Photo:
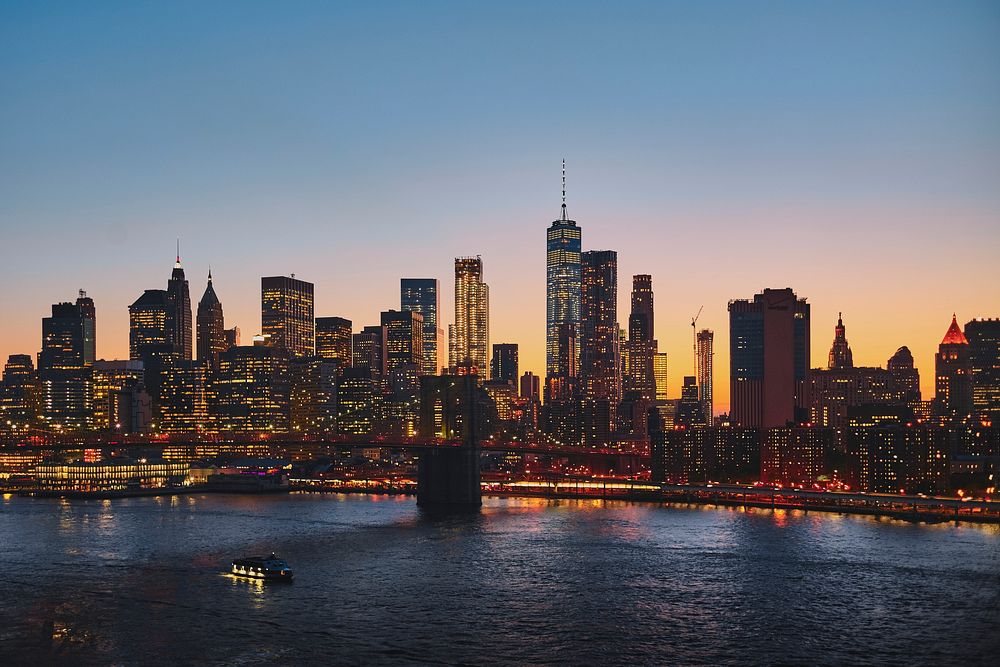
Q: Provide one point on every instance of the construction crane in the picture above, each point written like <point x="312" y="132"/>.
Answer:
<point x="694" y="342"/>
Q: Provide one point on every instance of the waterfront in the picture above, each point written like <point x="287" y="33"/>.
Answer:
<point x="141" y="581"/>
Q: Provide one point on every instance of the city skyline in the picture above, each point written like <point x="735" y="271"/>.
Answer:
<point x="841" y="155"/>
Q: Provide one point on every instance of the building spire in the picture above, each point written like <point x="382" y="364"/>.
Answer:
<point x="177" y="264"/>
<point x="564" y="189"/>
<point x="209" y="273"/>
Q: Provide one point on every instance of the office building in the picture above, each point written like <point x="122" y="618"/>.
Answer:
<point x="421" y="295"/>
<point x="64" y="364"/>
<point x="504" y="365"/>
<point x="20" y="394"/>
<point x="769" y="359"/>
<point x="179" y="311"/>
<point x="370" y="352"/>
<point x="471" y="338"/>
<point x="600" y="370"/>
<point x="287" y="314"/>
<point x="211" y="327"/>
<point x="404" y="338"/>
<point x="358" y="396"/>
<point x="333" y="340"/>
<point x="184" y="398"/>
<point x="639" y="379"/>
<point x="530" y="386"/>
<point x="660" y="375"/>
<point x="119" y="399"/>
<point x="562" y="291"/>
<point x="953" y="374"/>
<point x="313" y="394"/>
<point x="252" y="390"/>
<point x="984" y="357"/>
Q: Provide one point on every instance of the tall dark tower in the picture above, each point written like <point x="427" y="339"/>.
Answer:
<point x="640" y="380"/>
<point x="953" y="374"/>
<point x="840" y="352"/>
<point x="179" y="312"/>
<point x="64" y="364"/>
<point x="600" y="363"/>
<point x="769" y="359"/>
<point x="211" y="327"/>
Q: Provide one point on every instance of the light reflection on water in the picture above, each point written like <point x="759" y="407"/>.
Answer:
<point x="378" y="581"/>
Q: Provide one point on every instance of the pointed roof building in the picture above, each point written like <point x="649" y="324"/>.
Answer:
<point x="954" y="336"/>
<point x="211" y="326"/>
<point x="840" y="352"/>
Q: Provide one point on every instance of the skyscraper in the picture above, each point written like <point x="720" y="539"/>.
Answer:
<point x="421" y="295"/>
<point x="370" y="352"/>
<point x="211" y="327"/>
<point x="600" y="371"/>
<point x="20" y="394"/>
<point x="660" y="374"/>
<point x="639" y="376"/>
<point x="287" y="314"/>
<point x="703" y="354"/>
<point x="64" y="363"/>
<point x="179" y="311"/>
<point x="905" y="377"/>
<point x="252" y="390"/>
<point x="769" y="359"/>
<point x="562" y="287"/>
<point x="953" y="374"/>
<point x="404" y="338"/>
<point x="148" y="323"/>
<point x="984" y="355"/>
<point x="472" y="316"/>
<point x="504" y="365"/>
<point x="333" y="339"/>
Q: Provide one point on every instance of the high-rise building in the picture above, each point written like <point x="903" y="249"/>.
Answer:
<point x="840" y="351"/>
<point x="530" y="386"/>
<point x="639" y="380"/>
<point x="20" y="394"/>
<point x="184" y="398"/>
<point x="211" y="327"/>
<point x="404" y="338"/>
<point x="287" y="314"/>
<point x="472" y="316"/>
<point x="252" y="390"/>
<point x="984" y="355"/>
<point x="769" y="359"/>
<point x="600" y="371"/>
<point x="313" y="397"/>
<point x="562" y="290"/>
<point x="421" y="295"/>
<point x="333" y="339"/>
<point x="904" y="375"/>
<point x="118" y="397"/>
<point x="148" y="323"/>
<point x="690" y="409"/>
<point x="504" y="364"/>
<point x="370" y="352"/>
<point x="703" y="354"/>
<point x="64" y="364"/>
<point x="953" y="374"/>
<point x="357" y="398"/>
<point x="232" y="337"/>
<point x="660" y="375"/>
<point x="179" y="311"/>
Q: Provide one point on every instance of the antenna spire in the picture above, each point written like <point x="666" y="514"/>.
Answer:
<point x="178" y="263"/>
<point x="564" y="189"/>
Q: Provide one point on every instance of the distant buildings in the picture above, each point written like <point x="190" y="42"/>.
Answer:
<point x="179" y="311"/>
<point x="287" y="314"/>
<point x="769" y="359"/>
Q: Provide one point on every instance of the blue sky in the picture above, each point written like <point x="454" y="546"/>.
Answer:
<point x="720" y="146"/>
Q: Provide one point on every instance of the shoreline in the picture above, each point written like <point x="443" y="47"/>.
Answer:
<point x="685" y="498"/>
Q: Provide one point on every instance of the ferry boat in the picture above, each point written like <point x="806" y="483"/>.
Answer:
<point x="270" y="568"/>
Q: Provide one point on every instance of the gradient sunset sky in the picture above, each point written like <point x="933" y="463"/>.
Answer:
<point x="849" y="150"/>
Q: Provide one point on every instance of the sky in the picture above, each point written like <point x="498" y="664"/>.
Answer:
<point x="849" y="150"/>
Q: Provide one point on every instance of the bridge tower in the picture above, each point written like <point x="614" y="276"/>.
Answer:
<point x="448" y="476"/>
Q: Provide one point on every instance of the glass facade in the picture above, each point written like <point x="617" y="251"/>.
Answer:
<point x="562" y="289"/>
<point x="421" y="295"/>
<point x="287" y="314"/>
